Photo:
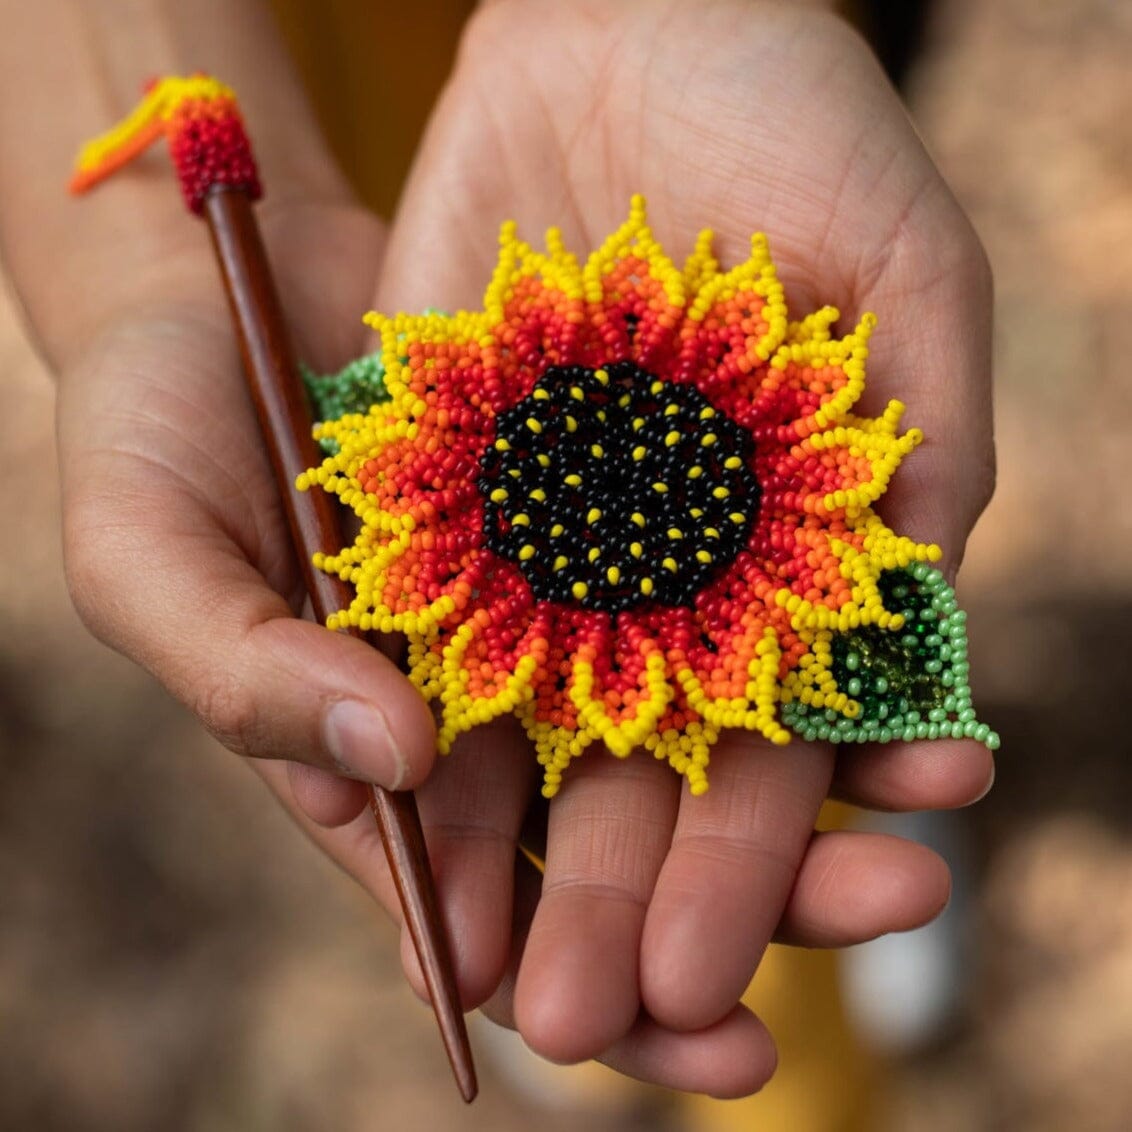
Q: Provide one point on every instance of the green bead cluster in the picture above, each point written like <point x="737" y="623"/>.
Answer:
<point x="352" y="390"/>
<point x="911" y="683"/>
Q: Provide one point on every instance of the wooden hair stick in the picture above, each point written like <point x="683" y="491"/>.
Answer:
<point x="213" y="158"/>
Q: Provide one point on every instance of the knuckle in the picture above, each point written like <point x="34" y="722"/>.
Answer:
<point x="972" y="260"/>
<point x="92" y="578"/>
<point x="229" y="712"/>
<point x="482" y="30"/>
<point x="985" y="480"/>
<point x="841" y="36"/>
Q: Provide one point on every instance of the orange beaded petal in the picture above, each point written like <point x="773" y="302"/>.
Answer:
<point x="630" y="502"/>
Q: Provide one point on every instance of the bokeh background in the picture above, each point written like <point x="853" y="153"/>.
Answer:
<point x="174" y="955"/>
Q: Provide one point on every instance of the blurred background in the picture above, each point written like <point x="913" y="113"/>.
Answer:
<point x="174" y="955"/>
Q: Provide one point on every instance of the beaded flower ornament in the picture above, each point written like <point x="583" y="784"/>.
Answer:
<point x="631" y="503"/>
<point x="626" y="501"/>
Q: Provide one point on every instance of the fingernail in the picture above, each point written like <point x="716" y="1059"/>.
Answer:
<point x="358" y="738"/>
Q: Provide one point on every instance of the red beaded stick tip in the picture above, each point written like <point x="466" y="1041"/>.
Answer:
<point x="214" y="164"/>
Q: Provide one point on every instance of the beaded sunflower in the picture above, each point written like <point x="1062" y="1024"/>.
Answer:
<point x="631" y="504"/>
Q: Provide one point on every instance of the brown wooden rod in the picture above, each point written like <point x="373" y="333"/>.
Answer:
<point x="284" y="417"/>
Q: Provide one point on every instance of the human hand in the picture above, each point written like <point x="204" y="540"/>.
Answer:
<point x="177" y="555"/>
<point x="655" y="906"/>
<point x="175" y="548"/>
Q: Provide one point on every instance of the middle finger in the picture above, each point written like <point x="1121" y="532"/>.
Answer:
<point x="734" y="857"/>
<point x="609" y="830"/>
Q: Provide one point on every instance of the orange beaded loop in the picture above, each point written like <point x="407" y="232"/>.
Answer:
<point x="630" y="502"/>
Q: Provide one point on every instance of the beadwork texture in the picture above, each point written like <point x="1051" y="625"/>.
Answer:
<point x="352" y="389"/>
<point x="199" y="117"/>
<point x="630" y="502"/>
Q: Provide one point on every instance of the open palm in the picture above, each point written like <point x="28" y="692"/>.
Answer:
<point x="655" y="907"/>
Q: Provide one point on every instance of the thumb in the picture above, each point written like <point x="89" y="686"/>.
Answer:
<point x="164" y="544"/>
<point x="267" y="684"/>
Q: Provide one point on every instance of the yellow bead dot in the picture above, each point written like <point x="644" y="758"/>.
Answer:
<point x="525" y="552"/>
<point x="593" y="514"/>
<point x="534" y="425"/>
<point x="614" y="575"/>
<point x="646" y="586"/>
<point x="579" y="590"/>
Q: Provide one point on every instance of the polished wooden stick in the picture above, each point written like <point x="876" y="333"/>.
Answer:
<point x="284" y="416"/>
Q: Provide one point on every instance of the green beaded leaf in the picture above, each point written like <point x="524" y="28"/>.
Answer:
<point x="352" y="390"/>
<point x="912" y="682"/>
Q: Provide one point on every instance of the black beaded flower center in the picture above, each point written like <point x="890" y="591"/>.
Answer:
<point x="610" y="488"/>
